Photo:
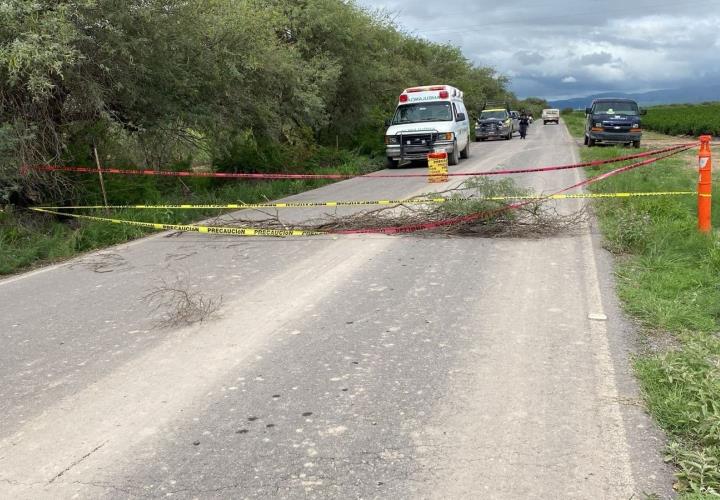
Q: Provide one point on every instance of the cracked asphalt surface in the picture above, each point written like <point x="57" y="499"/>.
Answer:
<point x="351" y="367"/>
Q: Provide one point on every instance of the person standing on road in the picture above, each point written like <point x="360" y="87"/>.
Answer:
<point x="524" y="123"/>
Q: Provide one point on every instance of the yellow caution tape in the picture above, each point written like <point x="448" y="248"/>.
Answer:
<point x="248" y="231"/>
<point x="235" y="231"/>
<point x="313" y="204"/>
<point x="239" y="206"/>
<point x="602" y="195"/>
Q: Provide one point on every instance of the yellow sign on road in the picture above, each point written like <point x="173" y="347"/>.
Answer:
<point x="437" y="167"/>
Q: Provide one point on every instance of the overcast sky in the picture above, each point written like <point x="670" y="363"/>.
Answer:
<point x="568" y="48"/>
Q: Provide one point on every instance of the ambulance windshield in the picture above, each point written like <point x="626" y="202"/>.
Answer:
<point x="423" y="112"/>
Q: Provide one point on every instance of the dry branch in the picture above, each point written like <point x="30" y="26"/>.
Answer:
<point x="181" y="306"/>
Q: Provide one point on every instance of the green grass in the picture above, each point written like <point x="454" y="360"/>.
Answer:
<point x="29" y="239"/>
<point x="575" y="123"/>
<point x="669" y="279"/>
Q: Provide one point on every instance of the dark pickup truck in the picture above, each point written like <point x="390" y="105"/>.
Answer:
<point x="613" y="121"/>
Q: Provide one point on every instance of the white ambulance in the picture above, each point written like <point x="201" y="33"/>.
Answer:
<point x="426" y="119"/>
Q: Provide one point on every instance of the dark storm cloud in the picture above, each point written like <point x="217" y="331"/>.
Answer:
<point x="558" y="48"/>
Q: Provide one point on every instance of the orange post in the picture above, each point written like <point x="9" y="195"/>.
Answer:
<point x="705" y="185"/>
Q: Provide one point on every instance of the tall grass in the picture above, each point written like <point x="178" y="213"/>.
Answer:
<point x="28" y="239"/>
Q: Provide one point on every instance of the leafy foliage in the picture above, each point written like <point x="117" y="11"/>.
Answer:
<point x="683" y="389"/>
<point x="686" y="119"/>
<point x="161" y="82"/>
<point x="533" y="106"/>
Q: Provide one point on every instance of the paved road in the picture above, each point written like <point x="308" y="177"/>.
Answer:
<point x="352" y="367"/>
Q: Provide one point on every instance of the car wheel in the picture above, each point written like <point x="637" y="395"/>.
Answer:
<point x="465" y="153"/>
<point x="454" y="157"/>
<point x="636" y="144"/>
<point x="591" y="142"/>
<point x="585" y="140"/>
<point x="390" y="163"/>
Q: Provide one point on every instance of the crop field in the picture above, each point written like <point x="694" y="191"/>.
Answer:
<point x="684" y="119"/>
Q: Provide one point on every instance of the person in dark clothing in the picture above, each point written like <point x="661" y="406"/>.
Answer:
<point x="524" y="124"/>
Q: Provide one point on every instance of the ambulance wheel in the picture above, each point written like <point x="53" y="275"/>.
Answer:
<point x="390" y="163"/>
<point x="465" y="153"/>
<point x="454" y="157"/>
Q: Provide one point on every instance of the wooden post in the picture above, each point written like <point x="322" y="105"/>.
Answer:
<point x="100" y="176"/>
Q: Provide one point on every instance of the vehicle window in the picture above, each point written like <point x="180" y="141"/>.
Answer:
<point x="500" y="115"/>
<point x="616" y="108"/>
<point x="455" y="111"/>
<point x="423" y="112"/>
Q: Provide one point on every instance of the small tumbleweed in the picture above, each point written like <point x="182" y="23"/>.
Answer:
<point x="179" y="305"/>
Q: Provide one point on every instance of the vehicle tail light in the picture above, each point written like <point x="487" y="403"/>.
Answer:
<point x="444" y="94"/>
<point x="403" y="98"/>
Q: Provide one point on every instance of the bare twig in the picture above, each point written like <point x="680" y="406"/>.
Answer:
<point x="181" y="306"/>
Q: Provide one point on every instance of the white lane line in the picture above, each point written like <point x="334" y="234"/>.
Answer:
<point x="610" y="419"/>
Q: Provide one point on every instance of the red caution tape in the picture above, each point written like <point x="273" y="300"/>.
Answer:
<point x="226" y="175"/>
<point x="411" y="228"/>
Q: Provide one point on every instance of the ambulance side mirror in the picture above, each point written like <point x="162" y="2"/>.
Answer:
<point x="388" y="122"/>
<point x="461" y="117"/>
<point x="643" y="111"/>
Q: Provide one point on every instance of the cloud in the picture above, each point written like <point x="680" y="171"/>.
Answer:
<point x="603" y="45"/>
<point x="569" y="79"/>
<point x="595" y="59"/>
<point x="529" y="58"/>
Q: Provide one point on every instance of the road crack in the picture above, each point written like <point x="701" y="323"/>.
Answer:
<point x="75" y="463"/>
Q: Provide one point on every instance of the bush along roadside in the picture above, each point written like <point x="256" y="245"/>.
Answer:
<point x="29" y="239"/>
<point x="669" y="279"/>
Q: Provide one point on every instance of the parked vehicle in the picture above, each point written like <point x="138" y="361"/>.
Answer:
<point x="494" y="123"/>
<point x="551" y="115"/>
<point x="515" y="120"/>
<point x="427" y="119"/>
<point x="613" y="121"/>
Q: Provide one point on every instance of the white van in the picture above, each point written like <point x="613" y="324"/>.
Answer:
<point x="551" y="115"/>
<point x="426" y="119"/>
